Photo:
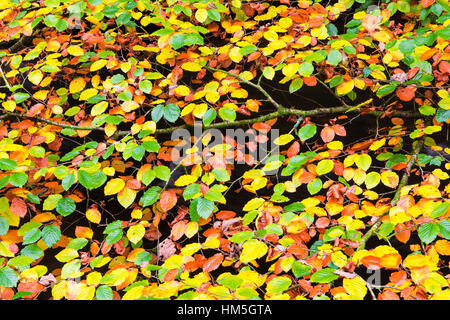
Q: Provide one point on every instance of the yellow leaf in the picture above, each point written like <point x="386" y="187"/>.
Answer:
<point x="377" y="144"/>
<point x="88" y="93"/>
<point x="235" y="54"/>
<point x="184" y="180"/>
<point x="114" y="186"/>
<point x="9" y="105"/>
<point x="355" y="287"/>
<point x="136" y="233"/>
<point x="191" y="229"/>
<point x="173" y="262"/>
<point x="134" y="293"/>
<point x="201" y="15"/>
<point x="97" y="65"/>
<point x="191" y="66"/>
<point x="182" y="91"/>
<point x="389" y="179"/>
<point x="190" y="249"/>
<point x="4" y="250"/>
<point x="35" y="77"/>
<point x="93" y="215"/>
<point x="345" y="87"/>
<point x="99" y="108"/>
<point x="339" y="258"/>
<point x="126" y="197"/>
<point x="76" y="85"/>
<point x="428" y="191"/>
<point x="75" y="51"/>
<point x="283" y="139"/>
<point x="110" y="129"/>
<point x="252" y="249"/>
<point x="290" y="69"/>
<point x="253" y="204"/>
<point x="129" y="106"/>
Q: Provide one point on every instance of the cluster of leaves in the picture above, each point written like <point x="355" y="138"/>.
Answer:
<point x="90" y="86"/>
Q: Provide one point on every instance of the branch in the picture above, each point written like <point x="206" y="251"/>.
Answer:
<point x="403" y="182"/>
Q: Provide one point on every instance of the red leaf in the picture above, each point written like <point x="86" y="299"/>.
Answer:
<point x="168" y="200"/>
<point x="310" y="81"/>
<point x="19" y="207"/>
<point x="322" y="222"/>
<point x="339" y="130"/>
<point x="225" y="215"/>
<point x="213" y="263"/>
<point x="403" y="233"/>
<point x="444" y="66"/>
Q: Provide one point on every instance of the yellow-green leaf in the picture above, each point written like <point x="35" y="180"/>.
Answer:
<point x="136" y="233"/>
<point x="252" y="249"/>
<point x="114" y="186"/>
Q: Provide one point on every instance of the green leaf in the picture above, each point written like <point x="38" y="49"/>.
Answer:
<point x="51" y="235"/>
<point x="157" y="113"/>
<point x="171" y="112"/>
<point x="7" y="164"/>
<point x="91" y="180"/>
<point x="150" y="196"/>
<point x="334" y="57"/>
<point x="227" y="114"/>
<point x="191" y="190"/>
<point x="33" y="251"/>
<point x="440" y="210"/>
<point x="65" y="206"/>
<point x="221" y="174"/>
<point x="209" y="116"/>
<point x="386" y="89"/>
<point x="444" y="229"/>
<point x="18" y="179"/>
<point x="162" y="172"/>
<point x="68" y="181"/>
<point x="278" y="285"/>
<point x="306" y="69"/>
<point x="428" y="232"/>
<point x="32" y="236"/>
<point x="8" y="277"/>
<point x="4" y="226"/>
<point x="145" y="86"/>
<point x="300" y="270"/>
<point x="242" y="236"/>
<point x="325" y="275"/>
<point x="307" y="131"/>
<point x="295" y="85"/>
<point x="314" y="186"/>
<point x="177" y="40"/>
<point x="204" y="207"/>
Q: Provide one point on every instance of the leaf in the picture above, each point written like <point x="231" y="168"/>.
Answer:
<point x="126" y="197"/>
<point x="278" y="285"/>
<point x="327" y="134"/>
<point x="136" y="233"/>
<point x="307" y="131"/>
<point x="325" y="275"/>
<point x="19" y="207"/>
<point x="201" y="15"/>
<point x="283" y="139"/>
<point x="407" y="93"/>
<point x="51" y="235"/>
<point x="113" y="186"/>
<point x="355" y="287"/>
<point x="363" y="161"/>
<point x="168" y="200"/>
<point x="97" y="65"/>
<point x="334" y="57"/>
<point x="300" y="270"/>
<point x="185" y="180"/>
<point x="65" y="206"/>
<point x="93" y="215"/>
<point x="428" y="232"/>
<point x="75" y="51"/>
<point x="213" y="262"/>
<point x="8" y="277"/>
<point x="204" y="207"/>
<point x="324" y="166"/>
<point x="252" y="249"/>
<point x="35" y="77"/>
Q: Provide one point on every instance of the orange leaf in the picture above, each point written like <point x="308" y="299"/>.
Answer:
<point x="225" y="215"/>
<point x="310" y="81"/>
<point x="403" y="233"/>
<point x="322" y="222"/>
<point x="30" y="286"/>
<point x="444" y="67"/>
<point x="213" y="263"/>
<point x="293" y="149"/>
<point x="19" y="207"/>
<point x="261" y="127"/>
<point x="327" y="134"/>
<point x="398" y="277"/>
<point x="178" y="230"/>
<point x="407" y="93"/>
<point x="168" y="200"/>
<point x="426" y="3"/>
